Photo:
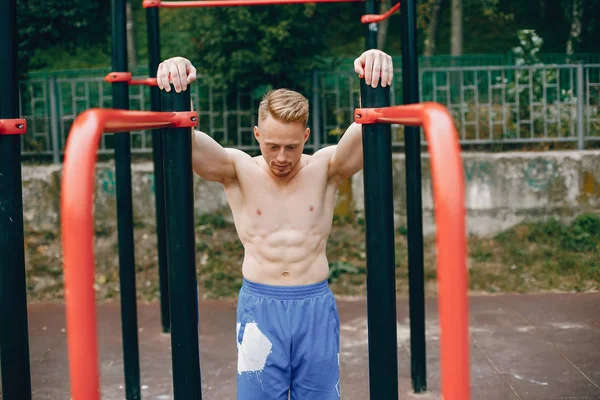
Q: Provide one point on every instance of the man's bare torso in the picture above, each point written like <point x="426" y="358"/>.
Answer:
<point x="283" y="224"/>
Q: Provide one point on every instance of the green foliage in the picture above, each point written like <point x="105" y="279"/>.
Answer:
<point x="581" y="235"/>
<point x="67" y="25"/>
<point x="213" y="220"/>
<point x="530" y="44"/>
<point x="255" y="47"/>
<point x="339" y="268"/>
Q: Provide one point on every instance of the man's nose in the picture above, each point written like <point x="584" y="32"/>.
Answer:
<point x="281" y="156"/>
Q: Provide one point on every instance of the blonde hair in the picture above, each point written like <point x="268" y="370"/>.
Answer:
<point x="284" y="105"/>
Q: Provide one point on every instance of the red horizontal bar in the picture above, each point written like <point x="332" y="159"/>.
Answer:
<point x="118" y="77"/>
<point x="145" y="81"/>
<point x="231" y="3"/>
<point x="404" y="115"/>
<point x="369" y="18"/>
<point x="13" y="126"/>
<point x="127" y="77"/>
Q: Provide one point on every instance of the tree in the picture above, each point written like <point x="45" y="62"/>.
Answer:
<point x="382" y="33"/>
<point x="457" y="28"/>
<point x="65" y="24"/>
<point x="576" y="14"/>
<point x="431" y="27"/>
<point x="251" y="47"/>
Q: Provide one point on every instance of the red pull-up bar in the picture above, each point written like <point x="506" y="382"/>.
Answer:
<point x="128" y="77"/>
<point x="13" y="126"/>
<point x="231" y="3"/>
<point x="369" y="18"/>
<point x="77" y="227"/>
<point x="448" y="194"/>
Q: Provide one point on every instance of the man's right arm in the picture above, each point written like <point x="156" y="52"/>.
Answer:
<point x="210" y="160"/>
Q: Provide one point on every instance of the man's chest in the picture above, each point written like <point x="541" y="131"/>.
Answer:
<point x="303" y="203"/>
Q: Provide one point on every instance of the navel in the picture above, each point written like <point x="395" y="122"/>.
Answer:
<point x="285" y="273"/>
<point x="311" y="208"/>
<point x="258" y="212"/>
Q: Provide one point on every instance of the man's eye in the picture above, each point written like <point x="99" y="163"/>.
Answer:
<point x="291" y="147"/>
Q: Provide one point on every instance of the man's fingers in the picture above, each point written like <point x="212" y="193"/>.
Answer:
<point x="162" y="77"/>
<point x="376" y="72"/>
<point x="175" y="78"/>
<point x="390" y="67"/>
<point x="182" y="71"/>
<point x="368" y="68"/>
<point x="177" y="71"/>
<point x="191" y="71"/>
<point x="386" y="71"/>
<point x="358" y="67"/>
<point x="158" y="76"/>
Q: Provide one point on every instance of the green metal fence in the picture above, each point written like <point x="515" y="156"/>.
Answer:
<point x="492" y="103"/>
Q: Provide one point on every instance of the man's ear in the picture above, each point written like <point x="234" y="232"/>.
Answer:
<point x="306" y="134"/>
<point x="256" y="134"/>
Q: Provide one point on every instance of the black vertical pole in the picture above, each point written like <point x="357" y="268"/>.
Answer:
<point x="14" y="343"/>
<point x="371" y="7"/>
<point x="379" y="223"/>
<point x="152" y="19"/>
<point x="125" y="211"/>
<point x="381" y="271"/>
<point x="181" y="257"/>
<point x="414" y="212"/>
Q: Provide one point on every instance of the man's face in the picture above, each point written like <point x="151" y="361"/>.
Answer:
<point x="281" y="144"/>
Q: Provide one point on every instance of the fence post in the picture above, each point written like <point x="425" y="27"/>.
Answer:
<point x="316" y="118"/>
<point x="580" y="107"/>
<point x="54" y="120"/>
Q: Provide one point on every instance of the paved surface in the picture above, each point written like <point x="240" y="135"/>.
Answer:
<point x="522" y="347"/>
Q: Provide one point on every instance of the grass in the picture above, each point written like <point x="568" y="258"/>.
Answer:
<point x="530" y="257"/>
<point x="540" y="256"/>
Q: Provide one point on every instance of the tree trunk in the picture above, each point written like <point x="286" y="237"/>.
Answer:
<point x="131" y="47"/>
<point x="456" y="39"/>
<point x="432" y="29"/>
<point x="575" y="32"/>
<point x="383" y="25"/>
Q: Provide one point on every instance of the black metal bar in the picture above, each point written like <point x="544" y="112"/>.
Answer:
<point x="379" y="224"/>
<point x="14" y="342"/>
<point x="125" y="211"/>
<point x="414" y="202"/>
<point x="371" y="30"/>
<point x="152" y="22"/>
<point x="381" y="271"/>
<point x="181" y="255"/>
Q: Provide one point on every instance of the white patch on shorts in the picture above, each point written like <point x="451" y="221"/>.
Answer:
<point x="254" y="349"/>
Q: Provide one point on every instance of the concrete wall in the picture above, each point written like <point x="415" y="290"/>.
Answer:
<point x="502" y="190"/>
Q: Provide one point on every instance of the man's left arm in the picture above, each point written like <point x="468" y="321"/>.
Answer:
<point x="347" y="156"/>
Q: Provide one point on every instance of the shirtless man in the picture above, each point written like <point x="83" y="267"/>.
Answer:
<point x="282" y="204"/>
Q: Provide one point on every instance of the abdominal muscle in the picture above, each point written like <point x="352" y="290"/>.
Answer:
<point x="285" y="256"/>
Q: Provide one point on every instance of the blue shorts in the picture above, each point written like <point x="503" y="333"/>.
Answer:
<point x="288" y="342"/>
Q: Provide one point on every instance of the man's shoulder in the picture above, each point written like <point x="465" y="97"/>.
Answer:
<point x="323" y="154"/>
